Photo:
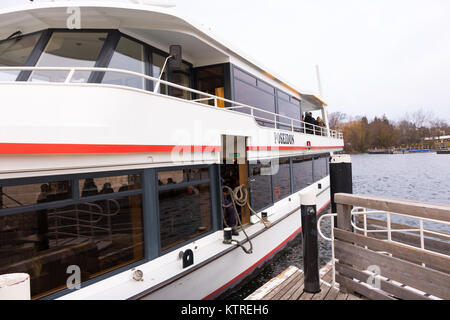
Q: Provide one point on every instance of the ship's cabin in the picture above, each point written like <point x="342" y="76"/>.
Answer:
<point x="138" y="52"/>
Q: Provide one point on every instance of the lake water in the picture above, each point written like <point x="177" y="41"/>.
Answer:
<point x="421" y="177"/>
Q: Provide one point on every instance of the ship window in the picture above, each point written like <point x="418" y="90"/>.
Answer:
<point x="290" y="110"/>
<point x="15" y="52"/>
<point x="238" y="74"/>
<point x="183" y="79"/>
<point x="282" y="95"/>
<point x="168" y="178"/>
<point x="281" y="179"/>
<point x="184" y="213"/>
<point x="302" y="172"/>
<point x="266" y="87"/>
<point x="69" y="49"/>
<point x="252" y="96"/>
<point x="129" y="55"/>
<point x="320" y="167"/>
<point x="94" y="186"/>
<point x="29" y="194"/>
<point x="211" y="80"/>
<point x="97" y="236"/>
<point x="261" y="185"/>
<point x="157" y="64"/>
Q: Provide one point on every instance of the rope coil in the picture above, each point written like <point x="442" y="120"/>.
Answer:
<point x="239" y="196"/>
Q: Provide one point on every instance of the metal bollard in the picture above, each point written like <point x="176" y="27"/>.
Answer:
<point x="310" y="244"/>
<point x="227" y="235"/>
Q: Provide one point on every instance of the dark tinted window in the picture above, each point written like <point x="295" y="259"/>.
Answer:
<point x="282" y="180"/>
<point x="129" y="55"/>
<point x="266" y="87"/>
<point x="94" y="186"/>
<point x="184" y="213"/>
<point x="15" y="52"/>
<point x="302" y="172"/>
<point x="183" y="79"/>
<point x="283" y="95"/>
<point x="29" y="194"/>
<point x="260" y="185"/>
<point x="320" y="167"/>
<point x="168" y="178"/>
<point x="290" y="110"/>
<point x="96" y="236"/>
<point x="258" y="98"/>
<point x="69" y="49"/>
<point x="244" y="76"/>
<point x="211" y="80"/>
<point x="295" y="101"/>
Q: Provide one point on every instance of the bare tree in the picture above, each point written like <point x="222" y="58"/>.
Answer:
<point x="335" y="119"/>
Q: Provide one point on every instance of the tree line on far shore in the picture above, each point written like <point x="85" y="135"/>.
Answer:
<point x="362" y="134"/>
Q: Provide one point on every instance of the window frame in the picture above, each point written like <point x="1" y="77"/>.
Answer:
<point x="226" y="80"/>
<point x="289" y="100"/>
<point x="77" y="199"/>
<point x="250" y="176"/>
<point x="104" y="57"/>
<point x="213" y="187"/>
<point x="258" y="119"/>
<point x="320" y="157"/>
<point x="290" y="180"/>
<point x="278" y="125"/>
<point x="304" y="158"/>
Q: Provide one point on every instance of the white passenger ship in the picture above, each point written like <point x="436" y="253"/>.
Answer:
<point x="116" y="139"/>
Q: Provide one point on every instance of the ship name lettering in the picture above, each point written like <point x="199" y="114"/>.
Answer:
<point x="284" y="138"/>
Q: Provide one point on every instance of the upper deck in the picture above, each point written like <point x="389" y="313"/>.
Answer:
<point x="105" y="84"/>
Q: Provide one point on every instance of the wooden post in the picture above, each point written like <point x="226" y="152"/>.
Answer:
<point x="344" y="216"/>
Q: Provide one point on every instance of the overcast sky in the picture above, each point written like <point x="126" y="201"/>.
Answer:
<point x="375" y="56"/>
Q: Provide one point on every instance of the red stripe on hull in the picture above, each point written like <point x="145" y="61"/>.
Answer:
<point x="45" y="148"/>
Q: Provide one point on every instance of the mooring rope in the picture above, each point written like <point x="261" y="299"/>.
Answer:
<point x="239" y="196"/>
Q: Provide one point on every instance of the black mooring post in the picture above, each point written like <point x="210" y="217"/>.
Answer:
<point x="340" y="178"/>
<point x="310" y="245"/>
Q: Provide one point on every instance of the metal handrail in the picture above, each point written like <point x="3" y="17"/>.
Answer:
<point x="307" y="127"/>
<point x="422" y="231"/>
<point x="94" y="218"/>
<point x="363" y="211"/>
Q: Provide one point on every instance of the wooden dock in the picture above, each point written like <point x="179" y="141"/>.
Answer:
<point x="289" y="286"/>
<point x="377" y="259"/>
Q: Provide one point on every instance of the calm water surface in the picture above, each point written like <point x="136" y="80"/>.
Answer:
<point x="421" y="177"/>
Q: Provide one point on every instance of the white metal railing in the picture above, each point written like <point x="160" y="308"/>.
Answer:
<point x="73" y="220"/>
<point x="331" y="239"/>
<point x="389" y="230"/>
<point x="277" y="120"/>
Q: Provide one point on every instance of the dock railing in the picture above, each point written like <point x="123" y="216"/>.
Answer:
<point x="261" y="116"/>
<point x="383" y="259"/>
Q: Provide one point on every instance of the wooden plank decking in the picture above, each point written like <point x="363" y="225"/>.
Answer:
<point x="289" y="286"/>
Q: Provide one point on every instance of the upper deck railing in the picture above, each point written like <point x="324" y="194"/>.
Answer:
<point x="271" y="119"/>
